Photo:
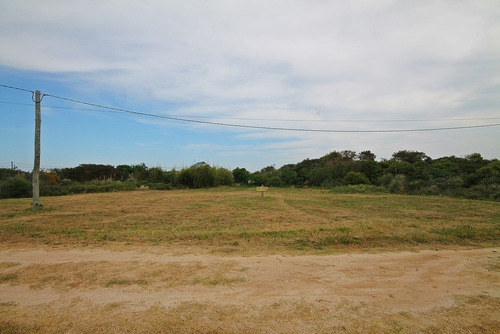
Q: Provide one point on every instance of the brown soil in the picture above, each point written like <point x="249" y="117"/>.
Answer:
<point x="114" y="291"/>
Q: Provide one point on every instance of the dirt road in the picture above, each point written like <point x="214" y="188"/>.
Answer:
<point x="428" y="290"/>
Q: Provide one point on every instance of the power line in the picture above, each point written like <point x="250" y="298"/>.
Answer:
<point x="27" y="165"/>
<point x="268" y="127"/>
<point x="17" y="103"/>
<point x="25" y="90"/>
<point x="184" y="119"/>
<point x="286" y="120"/>
<point x="17" y="88"/>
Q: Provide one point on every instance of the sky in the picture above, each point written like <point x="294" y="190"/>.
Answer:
<point x="247" y="84"/>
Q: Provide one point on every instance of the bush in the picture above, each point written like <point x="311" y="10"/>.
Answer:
<point x="329" y="183"/>
<point x="15" y="187"/>
<point x="398" y="184"/>
<point x="385" y="180"/>
<point x="159" y="186"/>
<point x="274" y="181"/>
<point x="224" y="177"/>
<point x="6" y="174"/>
<point x="358" y="189"/>
<point x="185" y="178"/>
<point x="354" y="178"/>
<point x="320" y="175"/>
<point x="203" y="177"/>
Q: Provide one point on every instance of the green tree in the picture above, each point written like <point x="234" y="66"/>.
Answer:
<point x="444" y="168"/>
<point x="123" y="172"/>
<point x="318" y="176"/>
<point x="274" y="181"/>
<point x="185" y="178"/>
<point x="203" y="177"/>
<point x="259" y="178"/>
<point x="490" y="174"/>
<point x="89" y="172"/>
<point x="223" y="177"/>
<point x="156" y="174"/>
<point x="304" y="170"/>
<point x="409" y="156"/>
<point x="7" y="173"/>
<point x="263" y="176"/>
<point x="348" y="155"/>
<point x="331" y="159"/>
<point x="370" y="168"/>
<point x="366" y="156"/>
<point x="288" y="175"/>
<point x="140" y="172"/>
<point x="241" y="175"/>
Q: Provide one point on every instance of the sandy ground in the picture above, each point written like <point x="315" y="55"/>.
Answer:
<point x="396" y="282"/>
<point x="405" y="281"/>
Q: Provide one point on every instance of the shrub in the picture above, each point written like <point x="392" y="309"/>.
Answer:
<point x="398" y="184"/>
<point x="354" y="178"/>
<point x="203" y="177"/>
<point x="15" y="187"/>
<point x="185" y="178"/>
<point x="224" y="177"/>
<point x="358" y="189"/>
<point x="159" y="186"/>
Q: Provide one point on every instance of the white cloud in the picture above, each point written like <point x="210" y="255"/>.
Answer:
<point x="327" y="60"/>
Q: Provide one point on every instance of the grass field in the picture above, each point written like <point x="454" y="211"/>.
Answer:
<point x="227" y="260"/>
<point x="240" y="221"/>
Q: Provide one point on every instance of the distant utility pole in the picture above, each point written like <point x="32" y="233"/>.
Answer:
<point x="36" y="165"/>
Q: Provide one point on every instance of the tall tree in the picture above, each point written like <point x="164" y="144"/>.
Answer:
<point x="366" y="156"/>
<point x="409" y="156"/>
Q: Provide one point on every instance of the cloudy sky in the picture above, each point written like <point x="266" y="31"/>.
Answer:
<point x="299" y="79"/>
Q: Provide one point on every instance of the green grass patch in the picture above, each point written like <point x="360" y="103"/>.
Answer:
<point x="124" y="282"/>
<point x="8" y="277"/>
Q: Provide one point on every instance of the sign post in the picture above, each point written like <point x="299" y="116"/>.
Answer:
<point x="262" y="189"/>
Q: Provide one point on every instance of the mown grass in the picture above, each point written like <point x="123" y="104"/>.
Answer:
<point x="106" y="274"/>
<point x="239" y="220"/>
<point x="281" y="316"/>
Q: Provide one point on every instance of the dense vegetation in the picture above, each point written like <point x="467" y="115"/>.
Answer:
<point x="410" y="172"/>
<point x="406" y="172"/>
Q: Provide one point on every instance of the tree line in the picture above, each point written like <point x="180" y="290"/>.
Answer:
<point x="409" y="172"/>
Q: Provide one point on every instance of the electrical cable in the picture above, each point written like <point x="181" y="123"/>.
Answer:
<point x="287" y="120"/>
<point x="17" y="88"/>
<point x="25" y="90"/>
<point x="269" y="127"/>
<point x="183" y="119"/>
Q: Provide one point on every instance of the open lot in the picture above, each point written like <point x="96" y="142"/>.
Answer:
<point x="227" y="260"/>
<point x="239" y="221"/>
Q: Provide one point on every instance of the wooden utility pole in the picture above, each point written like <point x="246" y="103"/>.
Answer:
<point x="36" y="166"/>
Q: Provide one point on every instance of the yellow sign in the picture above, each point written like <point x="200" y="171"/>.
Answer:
<point x="262" y="190"/>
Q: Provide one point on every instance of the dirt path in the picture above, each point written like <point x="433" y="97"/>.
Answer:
<point x="137" y="281"/>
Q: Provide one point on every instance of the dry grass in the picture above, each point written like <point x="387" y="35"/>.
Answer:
<point x="90" y="275"/>
<point x="236" y="222"/>
<point x="240" y="221"/>
<point x="278" y="317"/>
